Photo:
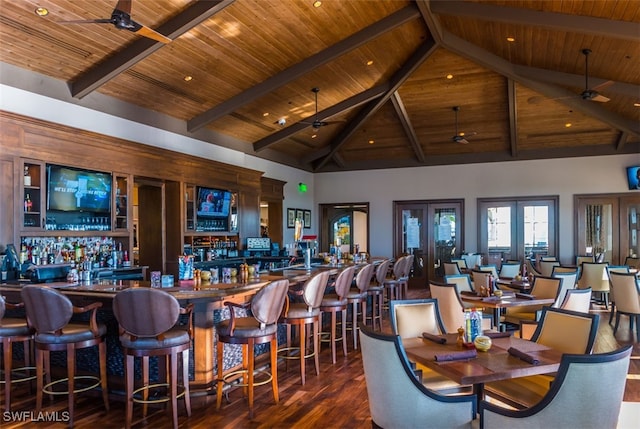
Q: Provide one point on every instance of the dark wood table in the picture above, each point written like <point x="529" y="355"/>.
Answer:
<point x="519" y="285"/>
<point x="494" y="365"/>
<point x="507" y="301"/>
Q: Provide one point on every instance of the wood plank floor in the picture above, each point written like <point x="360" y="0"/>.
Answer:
<point x="335" y="399"/>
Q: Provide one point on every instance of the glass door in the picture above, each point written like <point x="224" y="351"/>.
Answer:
<point x="629" y="227"/>
<point x="432" y="232"/>
<point x="512" y="229"/>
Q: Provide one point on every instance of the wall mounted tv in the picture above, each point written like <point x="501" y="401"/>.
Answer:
<point x="633" y="177"/>
<point x="213" y="203"/>
<point x="77" y="190"/>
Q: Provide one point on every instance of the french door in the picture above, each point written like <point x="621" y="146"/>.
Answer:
<point x="515" y="228"/>
<point x="430" y="230"/>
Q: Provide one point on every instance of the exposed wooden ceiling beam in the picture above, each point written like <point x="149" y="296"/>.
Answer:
<point x="576" y="80"/>
<point x="346" y="45"/>
<point x="523" y="16"/>
<point x="343" y="106"/>
<point x="416" y="59"/>
<point x="97" y="76"/>
<point x="622" y="140"/>
<point x="499" y="65"/>
<point x="513" y="117"/>
<point x="398" y="105"/>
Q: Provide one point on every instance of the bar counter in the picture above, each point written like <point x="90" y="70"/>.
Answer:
<point x="208" y="300"/>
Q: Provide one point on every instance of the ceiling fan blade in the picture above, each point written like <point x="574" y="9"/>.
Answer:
<point x="603" y="85"/>
<point x="463" y="141"/>
<point x="600" y="98"/>
<point x="87" y="21"/>
<point x="152" y="34"/>
<point x="124" y="6"/>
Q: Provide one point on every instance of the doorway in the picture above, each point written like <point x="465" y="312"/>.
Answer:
<point x="150" y="224"/>
<point x="345" y="225"/>
<point x="432" y="231"/>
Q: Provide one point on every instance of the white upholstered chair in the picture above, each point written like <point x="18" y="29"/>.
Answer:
<point x="594" y="275"/>
<point x="452" y="308"/>
<point x="509" y="270"/>
<point x="627" y="293"/>
<point x="543" y="287"/>
<point x="577" y="300"/>
<point x="396" y="398"/>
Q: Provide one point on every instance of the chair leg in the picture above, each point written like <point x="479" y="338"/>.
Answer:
<point x="102" y="356"/>
<point x="316" y="340"/>
<point x="71" y="370"/>
<point x="332" y="335"/>
<point x="303" y="351"/>
<point x="185" y="381"/>
<point x="250" y="368"/>
<point x="343" y="323"/>
<point x="637" y="328"/>
<point x="274" y="369"/>
<point x="613" y="310"/>
<point x="40" y="355"/>
<point x="47" y="369"/>
<point x="219" y="352"/>
<point x="354" y="323"/>
<point x="8" y="359"/>
<point x="128" y="372"/>
<point x="173" y="386"/>
<point x="145" y="383"/>
<point x="615" y="327"/>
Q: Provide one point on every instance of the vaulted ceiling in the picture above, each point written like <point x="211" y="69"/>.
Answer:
<point x="388" y="74"/>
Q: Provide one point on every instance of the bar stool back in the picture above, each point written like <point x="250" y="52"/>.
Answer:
<point x="302" y="313"/>
<point x="50" y="312"/>
<point x="357" y="297"/>
<point x="14" y="330"/>
<point x="148" y="319"/>
<point x="337" y="302"/>
<point x="258" y="328"/>
<point x="376" y="291"/>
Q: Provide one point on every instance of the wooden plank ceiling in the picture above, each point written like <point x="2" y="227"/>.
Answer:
<point x="389" y="74"/>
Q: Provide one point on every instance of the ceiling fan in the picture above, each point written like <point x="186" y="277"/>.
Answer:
<point x="121" y="19"/>
<point x="317" y="123"/>
<point x="592" y="94"/>
<point x="460" y="137"/>
<point x="589" y="94"/>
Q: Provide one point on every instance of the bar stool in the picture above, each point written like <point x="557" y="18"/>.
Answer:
<point x="147" y="319"/>
<point x="337" y="302"/>
<point x="14" y="330"/>
<point x="302" y="313"/>
<point x="258" y="328"/>
<point x="393" y="285"/>
<point x="50" y="312"/>
<point x="376" y="291"/>
<point x="357" y="297"/>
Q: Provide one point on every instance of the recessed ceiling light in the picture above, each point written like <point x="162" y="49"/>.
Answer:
<point x="317" y="3"/>
<point x="370" y="62"/>
<point x="371" y="141"/>
<point x="42" y="11"/>
<point x="314" y="136"/>
<point x="636" y="104"/>
<point x="265" y="114"/>
<point x="568" y="125"/>
<point x="188" y="78"/>
<point x="511" y="39"/>
<point x="449" y="76"/>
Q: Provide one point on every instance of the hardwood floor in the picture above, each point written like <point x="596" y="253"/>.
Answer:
<point x="335" y="399"/>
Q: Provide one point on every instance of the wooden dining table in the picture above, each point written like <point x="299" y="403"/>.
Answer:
<point x="493" y="365"/>
<point x="508" y="300"/>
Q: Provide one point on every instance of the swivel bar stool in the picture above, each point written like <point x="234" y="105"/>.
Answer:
<point x="337" y="302"/>
<point x="14" y="330"/>
<point x="259" y="327"/>
<point x="301" y="314"/>
<point x="376" y="291"/>
<point x="357" y="297"/>
<point x="50" y="312"/>
<point x="148" y="327"/>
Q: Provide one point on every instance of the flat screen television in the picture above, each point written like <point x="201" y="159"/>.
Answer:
<point x="213" y="203"/>
<point x="633" y="177"/>
<point x="77" y="190"/>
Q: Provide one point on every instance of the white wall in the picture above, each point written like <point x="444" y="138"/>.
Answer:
<point x="563" y="177"/>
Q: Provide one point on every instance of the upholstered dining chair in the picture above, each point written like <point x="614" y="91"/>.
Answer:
<point x="568" y="281"/>
<point x="334" y="303"/>
<point x="490" y="268"/>
<point x="403" y="285"/>
<point x="451" y="307"/>
<point x="149" y="326"/>
<point x="530" y="268"/>
<point x="305" y="313"/>
<point x="543" y="287"/>
<point x="563" y="330"/>
<point x="594" y="275"/>
<point x="509" y="270"/>
<point x="357" y="299"/>
<point x="577" y="300"/>
<point x="570" y="402"/>
<point x="546" y="267"/>
<point x="451" y="268"/>
<point x="259" y="326"/>
<point x="612" y="298"/>
<point x="396" y="398"/>
<point x="632" y="262"/>
<point x="462" y="281"/>
<point x="480" y="279"/>
<point x="627" y="294"/>
<point x="462" y="263"/>
<point x="50" y="313"/>
<point x="14" y="330"/>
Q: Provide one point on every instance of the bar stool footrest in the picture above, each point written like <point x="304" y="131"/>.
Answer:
<point x="46" y="388"/>
<point x="17" y="371"/>
<point x="158" y="399"/>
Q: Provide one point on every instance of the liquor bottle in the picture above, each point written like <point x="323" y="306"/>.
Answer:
<point x="28" y="204"/>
